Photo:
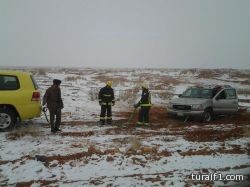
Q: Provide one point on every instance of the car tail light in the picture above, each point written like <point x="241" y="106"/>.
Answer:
<point x="35" y="96"/>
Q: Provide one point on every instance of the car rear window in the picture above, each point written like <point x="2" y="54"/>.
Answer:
<point x="34" y="82"/>
<point x="9" y="82"/>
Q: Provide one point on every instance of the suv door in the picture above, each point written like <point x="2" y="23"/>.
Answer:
<point x="225" y="101"/>
<point x="9" y="85"/>
<point x="232" y="99"/>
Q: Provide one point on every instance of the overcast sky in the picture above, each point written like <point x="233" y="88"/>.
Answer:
<point x="125" y="33"/>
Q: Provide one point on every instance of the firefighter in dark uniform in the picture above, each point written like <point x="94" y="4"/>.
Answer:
<point x="54" y="103"/>
<point x="145" y="104"/>
<point x="106" y="100"/>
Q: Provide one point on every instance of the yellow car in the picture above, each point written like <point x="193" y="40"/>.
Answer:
<point x="19" y="98"/>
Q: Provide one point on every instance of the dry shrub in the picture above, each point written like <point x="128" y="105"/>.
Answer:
<point x="95" y="182"/>
<point x="187" y="71"/>
<point x="205" y="73"/>
<point x="112" y="151"/>
<point x="76" y="156"/>
<point x="246" y="131"/>
<point x="208" y="74"/>
<point x="146" y="76"/>
<point x="93" y="93"/>
<point x="93" y="150"/>
<point x="128" y="95"/>
<point x="191" y="152"/>
<point x="160" y="86"/>
<point x="109" y="159"/>
<point x="116" y="80"/>
<point x="246" y="82"/>
<point x="236" y="149"/>
<point x="22" y="184"/>
<point x="70" y="71"/>
<point x="148" y="150"/>
<point x="73" y="78"/>
<point x="242" y="117"/>
<point x="240" y="74"/>
<point x="102" y="78"/>
<point x="243" y="91"/>
<point x="208" y="135"/>
<point x="119" y="80"/>
<point x="35" y="71"/>
<point x="76" y="134"/>
<point x="134" y="145"/>
<point x="66" y="70"/>
<point x="138" y="161"/>
<point x="41" y="72"/>
<point x="23" y="131"/>
<point x="167" y="80"/>
<point x="164" y="153"/>
<point x="163" y="95"/>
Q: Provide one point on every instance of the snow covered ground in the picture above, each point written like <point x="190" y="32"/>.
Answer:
<point x="164" y="154"/>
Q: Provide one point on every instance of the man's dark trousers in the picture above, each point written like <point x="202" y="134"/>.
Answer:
<point x="144" y="115"/>
<point x="106" y="108"/>
<point x="55" y="112"/>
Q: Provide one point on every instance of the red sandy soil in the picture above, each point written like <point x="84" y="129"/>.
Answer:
<point x="159" y="115"/>
<point x="159" y="119"/>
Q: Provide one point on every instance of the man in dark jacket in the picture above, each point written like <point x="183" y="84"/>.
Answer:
<point x="145" y="104"/>
<point x="54" y="103"/>
<point x="106" y="99"/>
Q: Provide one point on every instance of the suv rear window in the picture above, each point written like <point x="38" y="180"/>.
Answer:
<point x="8" y="82"/>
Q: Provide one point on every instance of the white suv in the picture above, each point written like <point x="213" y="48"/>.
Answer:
<point x="205" y="102"/>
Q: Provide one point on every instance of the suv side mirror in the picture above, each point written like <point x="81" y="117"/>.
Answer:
<point x="180" y="95"/>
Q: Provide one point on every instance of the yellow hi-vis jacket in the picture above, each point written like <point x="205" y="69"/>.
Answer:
<point x="145" y="99"/>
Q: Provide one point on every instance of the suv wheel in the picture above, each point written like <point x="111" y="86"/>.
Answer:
<point x="207" y="115"/>
<point x="7" y="118"/>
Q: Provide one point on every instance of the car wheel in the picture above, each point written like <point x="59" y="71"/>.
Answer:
<point x="207" y="116"/>
<point x="7" y="119"/>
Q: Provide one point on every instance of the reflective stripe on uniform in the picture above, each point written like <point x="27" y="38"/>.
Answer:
<point x="109" y="118"/>
<point x="139" y="123"/>
<point x="102" y="118"/>
<point x="149" y="101"/>
<point x="106" y="103"/>
<point x="107" y="95"/>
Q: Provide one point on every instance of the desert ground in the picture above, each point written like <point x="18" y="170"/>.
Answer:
<point x="164" y="154"/>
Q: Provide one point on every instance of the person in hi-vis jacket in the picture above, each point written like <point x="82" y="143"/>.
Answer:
<point x="145" y="104"/>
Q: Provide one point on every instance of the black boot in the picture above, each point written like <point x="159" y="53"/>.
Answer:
<point x="57" y="129"/>
<point x="102" y="122"/>
<point x="109" y="122"/>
